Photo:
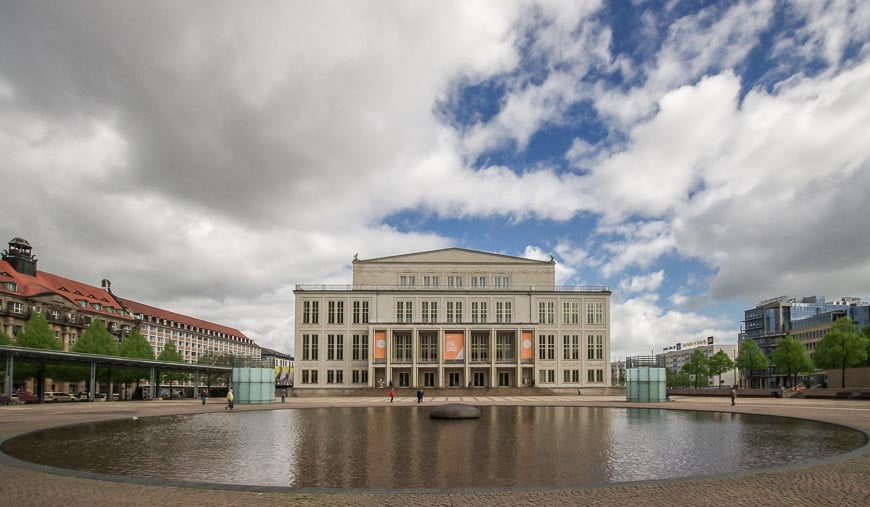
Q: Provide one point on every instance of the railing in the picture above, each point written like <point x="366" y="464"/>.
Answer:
<point x="645" y="362"/>
<point x="512" y="288"/>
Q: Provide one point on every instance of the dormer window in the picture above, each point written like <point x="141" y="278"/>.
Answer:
<point x="82" y="302"/>
<point x="10" y="286"/>
<point x="97" y="306"/>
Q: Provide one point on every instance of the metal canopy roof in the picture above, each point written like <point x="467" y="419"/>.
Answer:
<point x="61" y="357"/>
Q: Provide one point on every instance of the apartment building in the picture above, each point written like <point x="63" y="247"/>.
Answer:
<point x="452" y="318"/>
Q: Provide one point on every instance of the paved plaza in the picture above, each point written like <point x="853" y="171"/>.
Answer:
<point x="839" y="482"/>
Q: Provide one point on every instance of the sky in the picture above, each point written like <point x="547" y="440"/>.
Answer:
<point x="206" y="157"/>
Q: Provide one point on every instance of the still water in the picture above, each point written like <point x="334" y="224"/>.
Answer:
<point x="400" y="447"/>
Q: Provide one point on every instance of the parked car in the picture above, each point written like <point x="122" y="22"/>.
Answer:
<point x="63" y="397"/>
<point x="48" y="396"/>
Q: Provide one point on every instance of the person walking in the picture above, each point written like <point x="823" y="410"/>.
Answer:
<point x="733" y="395"/>
<point x="392" y="394"/>
<point x="283" y="395"/>
<point x="420" y="395"/>
<point x="229" y="400"/>
<point x="203" y="395"/>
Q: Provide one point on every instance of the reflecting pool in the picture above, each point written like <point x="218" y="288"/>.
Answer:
<point x="400" y="447"/>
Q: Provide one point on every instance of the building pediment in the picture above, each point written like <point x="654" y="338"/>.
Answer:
<point x="451" y="256"/>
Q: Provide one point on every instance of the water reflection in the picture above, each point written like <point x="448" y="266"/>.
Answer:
<point x="391" y="447"/>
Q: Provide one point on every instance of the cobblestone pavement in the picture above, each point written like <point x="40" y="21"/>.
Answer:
<point x="841" y="483"/>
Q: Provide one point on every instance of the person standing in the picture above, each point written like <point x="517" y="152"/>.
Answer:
<point x="733" y="395"/>
<point x="203" y="395"/>
<point x="283" y="395"/>
<point x="392" y="394"/>
<point x="420" y="395"/>
<point x="229" y="400"/>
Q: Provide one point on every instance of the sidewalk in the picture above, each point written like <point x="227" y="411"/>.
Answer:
<point x="839" y="483"/>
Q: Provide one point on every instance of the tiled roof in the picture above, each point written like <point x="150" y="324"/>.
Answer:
<point x="140" y="308"/>
<point x="49" y="284"/>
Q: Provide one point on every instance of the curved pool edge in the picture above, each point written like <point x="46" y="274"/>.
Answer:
<point x="693" y="405"/>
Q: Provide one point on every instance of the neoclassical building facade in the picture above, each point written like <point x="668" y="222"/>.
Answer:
<point x="452" y="318"/>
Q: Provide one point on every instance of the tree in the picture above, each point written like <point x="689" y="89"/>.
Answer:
<point x="677" y="379"/>
<point x="719" y="364"/>
<point x="169" y="353"/>
<point x="37" y="334"/>
<point x="697" y="366"/>
<point x="96" y="339"/>
<point x="865" y="332"/>
<point x="842" y="348"/>
<point x="134" y="346"/>
<point x="5" y="339"/>
<point x="791" y="358"/>
<point x="751" y="358"/>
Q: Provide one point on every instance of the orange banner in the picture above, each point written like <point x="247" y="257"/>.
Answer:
<point x="454" y="346"/>
<point x="528" y="343"/>
<point x="380" y="346"/>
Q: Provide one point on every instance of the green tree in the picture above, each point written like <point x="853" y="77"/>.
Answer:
<point x="697" y="366"/>
<point x="97" y="340"/>
<point x="135" y="346"/>
<point x="5" y="339"/>
<point x="751" y="358"/>
<point x="791" y="358"/>
<point x="677" y="379"/>
<point x="865" y="332"/>
<point x="170" y="353"/>
<point x="37" y="334"/>
<point x="719" y="364"/>
<point x="842" y="348"/>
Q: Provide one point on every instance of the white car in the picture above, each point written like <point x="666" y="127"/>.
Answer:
<point x="57" y="396"/>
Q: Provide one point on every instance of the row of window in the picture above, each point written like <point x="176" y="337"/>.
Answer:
<point x="478" y="379"/>
<point x="505" y="347"/>
<point x="429" y="312"/>
<point x="454" y="281"/>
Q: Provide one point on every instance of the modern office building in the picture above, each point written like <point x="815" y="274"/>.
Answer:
<point x="70" y="307"/>
<point x="806" y="319"/>
<point x="677" y="355"/>
<point x="452" y="318"/>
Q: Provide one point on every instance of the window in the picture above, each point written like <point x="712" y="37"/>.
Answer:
<point x="10" y="286"/>
<point x="546" y="312"/>
<point x="454" y="311"/>
<point x="430" y="311"/>
<point x="404" y="379"/>
<point x="360" y="376"/>
<point x="360" y="347"/>
<point x="309" y="376"/>
<point x="335" y="347"/>
<point x="429" y="348"/>
<point x="504" y="379"/>
<point x="428" y="379"/>
<point x="547" y="376"/>
<point x="571" y="376"/>
<point x="431" y="281"/>
<point x="503" y="311"/>
<point x="335" y="312"/>
<point x="570" y="312"/>
<point x="595" y="347"/>
<point x="504" y="348"/>
<point x="478" y="312"/>
<point x="453" y="379"/>
<point x="478" y="281"/>
<point x="310" y="310"/>
<point x="500" y="281"/>
<point x="18" y="308"/>
<point x="407" y="280"/>
<point x="595" y="376"/>
<point x="546" y="347"/>
<point x="309" y="347"/>
<point x="335" y="376"/>
<point x="571" y="347"/>
<point x="404" y="311"/>
<point x="454" y="281"/>
<point x="402" y="348"/>
<point x="360" y="312"/>
<point x="479" y="348"/>
<point x="595" y="312"/>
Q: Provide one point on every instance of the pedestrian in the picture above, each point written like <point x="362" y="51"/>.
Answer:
<point x="733" y="395"/>
<point x="392" y="394"/>
<point x="229" y="400"/>
<point x="203" y="395"/>
<point x="283" y="395"/>
<point x="420" y="395"/>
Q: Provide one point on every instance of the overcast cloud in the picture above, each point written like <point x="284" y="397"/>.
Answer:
<point x="208" y="156"/>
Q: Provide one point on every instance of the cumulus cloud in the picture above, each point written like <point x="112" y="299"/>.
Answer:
<point x="643" y="283"/>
